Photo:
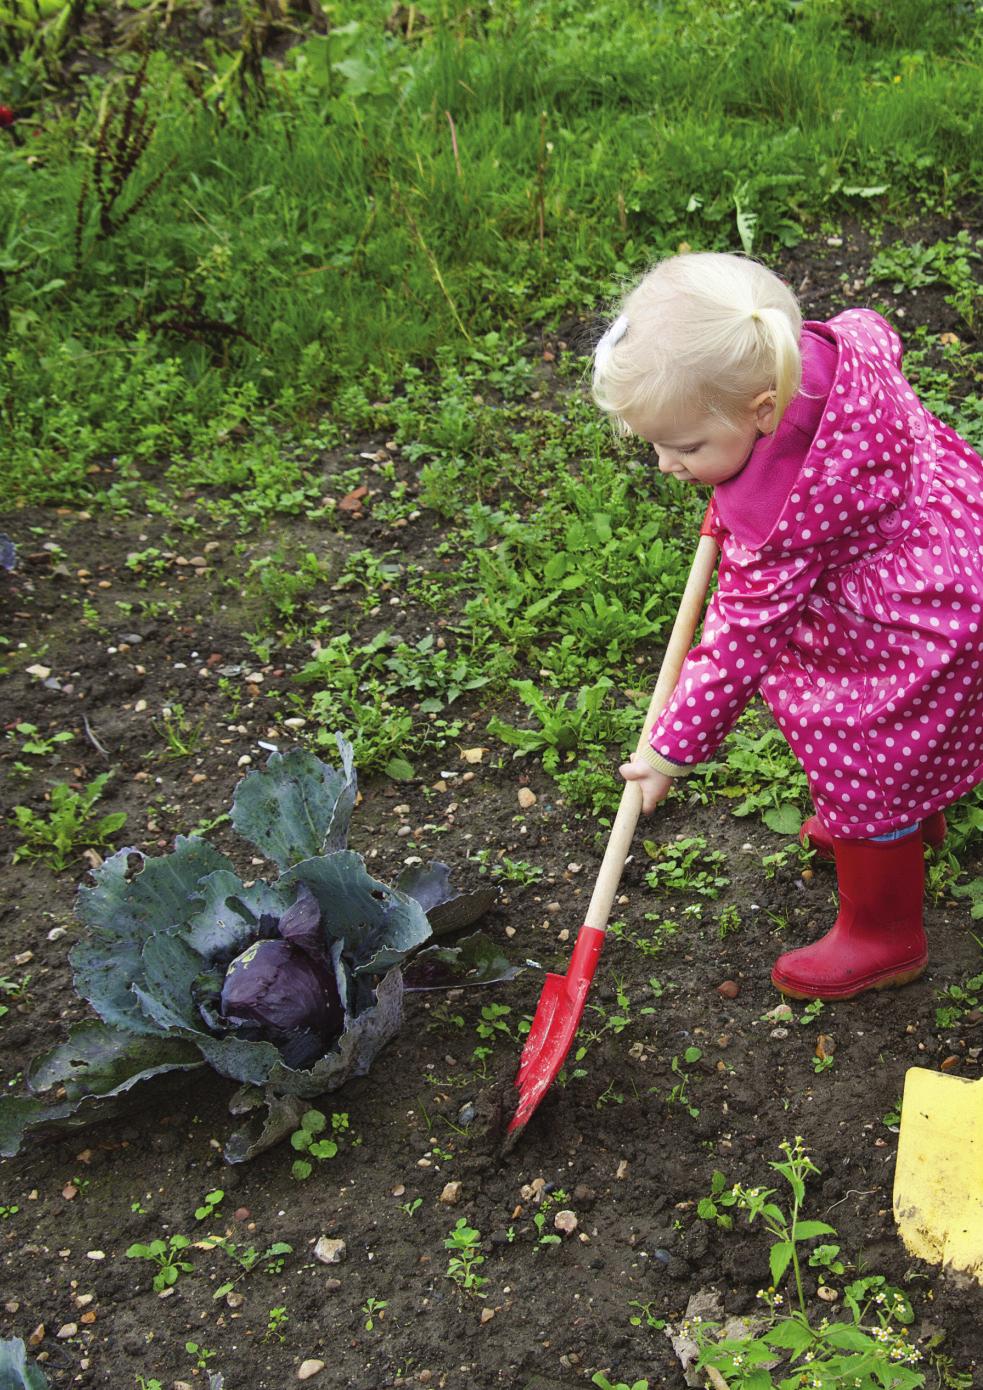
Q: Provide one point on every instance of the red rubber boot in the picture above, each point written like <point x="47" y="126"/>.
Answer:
<point x="820" y="840"/>
<point x="878" y="938"/>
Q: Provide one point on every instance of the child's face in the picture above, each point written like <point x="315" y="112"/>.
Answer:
<point x="700" y="448"/>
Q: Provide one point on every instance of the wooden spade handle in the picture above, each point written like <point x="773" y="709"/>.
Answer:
<point x="630" y="808"/>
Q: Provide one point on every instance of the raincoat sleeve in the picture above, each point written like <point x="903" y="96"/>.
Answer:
<point x="750" y="619"/>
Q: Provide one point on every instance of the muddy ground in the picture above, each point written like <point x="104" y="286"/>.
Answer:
<point x="629" y="1146"/>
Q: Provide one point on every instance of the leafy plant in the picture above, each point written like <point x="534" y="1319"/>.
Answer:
<point x="289" y="987"/>
<point x="71" y="825"/>
<point x="210" y="1204"/>
<point x="686" y="866"/>
<point x="869" y="1347"/>
<point x="248" y="1258"/>
<point x="465" y="1244"/>
<point x="167" y="1256"/>
<point x="40" y="745"/>
<point x="305" y="1140"/>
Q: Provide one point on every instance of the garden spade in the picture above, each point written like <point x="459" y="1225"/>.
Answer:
<point x="561" y="1003"/>
<point x="938" y="1181"/>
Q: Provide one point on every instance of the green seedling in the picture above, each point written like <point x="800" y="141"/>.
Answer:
<point x="465" y="1244"/>
<point x="247" y="1258"/>
<point x="645" y="1317"/>
<point x="893" y="1117"/>
<point x="679" y="1093"/>
<point x="276" y="1323"/>
<point x="8" y="1210"/>
<point x="600" y="1379"/>
<point x="180" y="733"/>
<point x="40" y="745"/>
<point x="71" y="825"/>
<point x="715" y="1207"/>
<point x="305" y="1140"/>
<point x="210" y="1204"/>
<point x="812" y="1011"/>
<point x="686" y="866"/>
<point x="412" y="1207"/>
<point x="374" y="1308"/>
<point x="201" y="1354"/>
<point x="166" y="1255"/>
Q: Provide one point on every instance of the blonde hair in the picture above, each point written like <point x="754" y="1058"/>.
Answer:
<point x="702" y="329"/>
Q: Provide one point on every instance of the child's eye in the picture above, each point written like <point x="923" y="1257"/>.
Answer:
<point x="694" y="450"/>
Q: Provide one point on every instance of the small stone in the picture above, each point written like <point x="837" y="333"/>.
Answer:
<point x="95" y="1254"/>
<point x="486" y="1315"/>
<point x="729" y="989"/>
<point x="37" y="1336"/>
<point x="309" y="1368"/>
<point x="808" y="875"/>
<point x="827" y="1294"/>
<point x="779" y="1034"/>
<point x="574" y="868"/>
<point x="451" y="1194"/>
<point x="254" y="678"/>
<point x="67" y="1329"/>
<point x="234" y="1300"/>
<point x="330" y="1252"/>
<point x="566" y="1222"/>
<point x="241" y="1214"/>
<point x="527" y="798"/>
<point x="244" y="761"/>
<point x="825" y="1046"/>
<point x="69" y="1192"/>
<point x="473" y="755"/>
<point x="948" y="1064"/>
<point x="399" y="1190"/>
<point x="24" y="958"/>
<point x="404" y="830"/>
<point x="88" y="1319"/>
<point x="12" y="1306"/>
<point x="622" y="1170"/>
<point x="56" y="933"/>
<point x="84" y="1299"/>
<point x="295" y="723"/>
<point x="781" y="1013"/>
<point x="40" y="673"/>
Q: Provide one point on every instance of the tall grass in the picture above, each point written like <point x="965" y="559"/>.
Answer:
<point x="483" y="171"/>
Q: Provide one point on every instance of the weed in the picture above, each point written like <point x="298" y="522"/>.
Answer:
<point x="411" y="1207"/>
<point x="180" y="733"/>
<point x="645" y="1317"/>
<point x="464" y="1242"/>
<point x="873" y="1343"/>
<point x="276" y="1324"/>
<point x="39" y="745"/>
<point x="679" y="1093"/>
<point x="374" y="1308"/>
<point x="305" y="1140"/>
<point x="210" y="1204"/>
<point x="687" y="866"/>
<point x="201" y="1354"/>
<point x="601" y="1380"/>
<point x="166" y="1255"/>
<point x="71" y="825"/>
<point x="715" y="1207"/>
<point x="248" y="1259"/>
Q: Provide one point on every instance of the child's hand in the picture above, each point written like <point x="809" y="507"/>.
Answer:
<point x="655" y="786"/>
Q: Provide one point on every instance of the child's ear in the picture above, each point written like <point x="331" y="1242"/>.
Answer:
<point x="763" y="408"/>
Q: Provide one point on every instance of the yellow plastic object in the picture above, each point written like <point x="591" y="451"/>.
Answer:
<point x="938" y="1182"/>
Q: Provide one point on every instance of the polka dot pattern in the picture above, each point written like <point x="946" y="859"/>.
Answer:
<point x="859" y="617"/>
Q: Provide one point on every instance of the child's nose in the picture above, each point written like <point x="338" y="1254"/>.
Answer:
<point x="665" y="463"/>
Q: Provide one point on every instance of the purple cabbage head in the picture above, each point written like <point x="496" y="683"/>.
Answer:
<point x="284" y="990"/>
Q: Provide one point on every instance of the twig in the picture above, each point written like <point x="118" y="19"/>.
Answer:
<point x="715" y="1378"/>
<point x="92" y="738"/>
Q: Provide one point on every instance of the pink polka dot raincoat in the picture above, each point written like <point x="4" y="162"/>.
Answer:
<point x="850" y="592"/>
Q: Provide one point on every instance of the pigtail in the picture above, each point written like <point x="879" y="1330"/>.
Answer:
<point x="783" y="350"/>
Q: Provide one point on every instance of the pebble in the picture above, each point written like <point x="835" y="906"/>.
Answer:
<point x="95" y="1254"/>
<point x="254" y="678"/>
<point x="487" y="1314"/>
<point x="527" y="798"/>
<point x="466" y="1113"/>
<point x="37" y="1336"/>
<point x="309" y="1369"/>
<point x="242" y="1214"/>
<point x="330" y="1252"/>
<point x="56" y="933"/>
<point x="295" y="723"/>
<point x="827" y="1294"/>
<point x="244" y="761"/>
<point x="40" y="672"/>
<point x="780" y="1034"/>
<point x="729" y="989"/>
<point x="67" y="1329"/>
<point x="23" y="958"/>
<point x="451" y="1194"/>
<point x="566" y="1222"/>
<point x="234" y="1300"/>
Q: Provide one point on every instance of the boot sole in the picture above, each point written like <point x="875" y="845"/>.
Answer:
<point x="894" y="981"/>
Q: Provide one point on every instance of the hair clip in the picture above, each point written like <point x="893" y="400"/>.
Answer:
<point x="614" y="335"/>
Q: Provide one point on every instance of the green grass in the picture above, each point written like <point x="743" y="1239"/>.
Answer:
<point x="378" y="196"/>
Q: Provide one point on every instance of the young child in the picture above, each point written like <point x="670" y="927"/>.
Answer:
<point x="850" y="586"/>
